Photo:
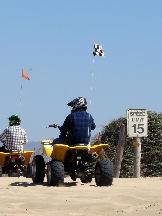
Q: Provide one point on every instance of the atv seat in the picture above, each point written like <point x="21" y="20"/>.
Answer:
<point x="80" y="144"/>
<point x="13" y="151"/>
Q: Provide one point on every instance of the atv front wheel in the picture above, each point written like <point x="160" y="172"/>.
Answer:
<point x="103" y="173"/>
<point x="55" y="173"/>
<point x="38" y="169"/>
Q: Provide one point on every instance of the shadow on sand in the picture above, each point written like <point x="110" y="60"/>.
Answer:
<point x="27" y="184"/>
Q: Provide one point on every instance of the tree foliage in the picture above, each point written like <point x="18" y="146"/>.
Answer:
<point x="151" y="146"/>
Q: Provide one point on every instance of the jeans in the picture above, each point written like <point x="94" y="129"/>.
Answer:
<point x="2" y="149"/>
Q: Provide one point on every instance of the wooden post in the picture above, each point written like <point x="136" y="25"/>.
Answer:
<point x="137" y="157"/>
<point x="119" y="152"/>
<point x="99" y="137"/>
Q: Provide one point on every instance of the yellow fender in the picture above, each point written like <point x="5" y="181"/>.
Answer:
<point x="26" y="154"/>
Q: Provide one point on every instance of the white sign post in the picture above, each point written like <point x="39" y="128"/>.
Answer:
<point x="136" y="128"/>
<point x="137" y="122"/>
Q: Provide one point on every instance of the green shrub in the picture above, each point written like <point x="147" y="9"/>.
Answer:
<point x="151" y="146"/>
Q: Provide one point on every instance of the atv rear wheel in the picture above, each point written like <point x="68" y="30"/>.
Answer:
<point x="29" y="171"/>
<point x="38" y="169"/>
<point x="55" y="173"/>
<point x="0" y="171"/>
<point x="103" y="173"/>
<point x="25" y="171"/>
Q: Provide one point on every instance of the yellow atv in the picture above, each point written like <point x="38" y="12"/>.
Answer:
<point x="14" y="164"/>
<point x="84" y="161"/>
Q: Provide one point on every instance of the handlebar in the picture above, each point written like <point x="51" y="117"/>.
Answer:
<point x="54" y="125"/>
<point x="51" y="125"/>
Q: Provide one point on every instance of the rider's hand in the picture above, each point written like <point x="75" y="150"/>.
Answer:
<point x="55" y="125"/>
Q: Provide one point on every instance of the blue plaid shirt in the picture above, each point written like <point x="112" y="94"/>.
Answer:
<point x="78" y="125"/>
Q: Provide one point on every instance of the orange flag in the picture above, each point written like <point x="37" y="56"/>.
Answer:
<point x="24" y="75"/>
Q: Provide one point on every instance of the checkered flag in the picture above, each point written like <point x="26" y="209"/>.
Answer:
<point x="98" y="50"/>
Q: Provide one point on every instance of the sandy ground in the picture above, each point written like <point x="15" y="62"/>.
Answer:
<point x="141" y="196"/>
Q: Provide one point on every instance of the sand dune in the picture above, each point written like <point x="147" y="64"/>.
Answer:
<point x="142" y="196"/>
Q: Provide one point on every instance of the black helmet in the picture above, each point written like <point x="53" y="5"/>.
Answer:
<point x="78" y="103"/>
<point x="14" y="120"/>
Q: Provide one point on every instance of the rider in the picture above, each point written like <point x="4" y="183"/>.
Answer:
<point x="77" y="125"/>
<point x="14" y="134"/>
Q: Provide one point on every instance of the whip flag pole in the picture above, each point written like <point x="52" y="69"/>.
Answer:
<point x="99" y="52"/>
<point x="91" y="81"/>
<point x="23" y="75"/>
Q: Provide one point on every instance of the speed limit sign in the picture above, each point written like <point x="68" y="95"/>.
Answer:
<point x="137" y="122"/>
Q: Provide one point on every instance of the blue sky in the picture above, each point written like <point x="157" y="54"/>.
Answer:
<point x="56" y="39"/>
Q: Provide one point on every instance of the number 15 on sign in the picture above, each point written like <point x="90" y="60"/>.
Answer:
<point x="137" y="122"/>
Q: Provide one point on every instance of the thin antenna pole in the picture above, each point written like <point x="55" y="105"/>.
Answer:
<point x="91" y="82"/>
<point x="21" y="94"/>
<point x="20" y="99"/>
<point x="91" y="87"/>
<point x="90" y="102"/>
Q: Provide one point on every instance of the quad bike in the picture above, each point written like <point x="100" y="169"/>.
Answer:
<point x="84" y="161"/>
<point x="14" y="164"/>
